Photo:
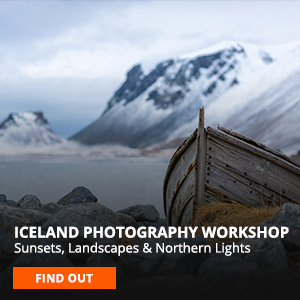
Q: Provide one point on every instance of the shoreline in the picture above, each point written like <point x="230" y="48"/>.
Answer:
<point x="270" y="260"/>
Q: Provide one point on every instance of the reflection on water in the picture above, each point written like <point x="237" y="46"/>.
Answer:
<point x="116" y="182"/>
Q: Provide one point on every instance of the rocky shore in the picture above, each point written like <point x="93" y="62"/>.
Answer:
<point x="272" y="263"/>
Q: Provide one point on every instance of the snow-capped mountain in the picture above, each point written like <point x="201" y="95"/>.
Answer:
<point x="29" y="134"/>
<point x="265" y="107"/>
<point x="236" y="82"/>
<point x="28" y="128"/>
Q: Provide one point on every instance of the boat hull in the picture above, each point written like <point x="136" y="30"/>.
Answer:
<point x="237" y="169"/>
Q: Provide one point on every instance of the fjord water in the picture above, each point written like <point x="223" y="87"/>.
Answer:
<point x="116" y="182"/>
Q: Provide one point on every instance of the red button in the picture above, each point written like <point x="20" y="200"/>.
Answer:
<point x="64" y="278"/>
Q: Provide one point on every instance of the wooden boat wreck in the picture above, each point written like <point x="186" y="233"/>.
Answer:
<point x="214" y="165"/>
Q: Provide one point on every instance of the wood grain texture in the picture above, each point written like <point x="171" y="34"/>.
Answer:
<point x="258" y="174"/>
<point x="179" y="160"/>
<point x="186" y="213"/>
<point x="200" y="169"/>
<point x="184" y="166"/>
<point x="233" y="168"/>
<point x="184" y="193"/>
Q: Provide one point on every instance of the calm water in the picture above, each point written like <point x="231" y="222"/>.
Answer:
<point x="116" y="182"/>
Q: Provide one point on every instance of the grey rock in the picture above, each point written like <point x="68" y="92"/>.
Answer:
<point x="162" y="263"/>
<point x="9" y="202"/>
<point x="151" y="241"/>
<point x="42" y="260"/>
<point x="37" y="260"/>
<point x="142" y="212"/>
<point x="218" y="268"/>
<point x="140" y="264"/>
<point x="105" y="260"/>
<point x="162" y="222"/>
<point x="6" y="285"/>
<point x="100" y="260"/>
<point x="2" y="197"/>
<point x="183" y="263"/>
<point x="288" y="215"/>
<point x="148" y="224"/>
<point x="7" y="248"/>
<point x="78" y="195"/>
<point x="14" y="216"/>
<point x="85" y="214"/>
<point x="295" y="268"/>
<point x="269" y="254"/>
<point x="159" y="287"/>
<point x="12" y="203"/>
<point x="51" y="207"/>
<point x="126" y="220"/>
<point x="30" y="201"/>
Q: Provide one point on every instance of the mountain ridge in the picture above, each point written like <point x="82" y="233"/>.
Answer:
<point x="28" y="128"/>
<point x="147" y="108"/>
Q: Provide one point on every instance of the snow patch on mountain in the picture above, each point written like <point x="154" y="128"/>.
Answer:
<point x="264" y="106"/>
<point x="28" y="128"/>
<point x="150" y="108"/>
<point x="29" y="134"/>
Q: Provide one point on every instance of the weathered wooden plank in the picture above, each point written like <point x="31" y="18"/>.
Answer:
<point x="233" y="186"/>
<point x="200" y="169"/>
<point x="212" y="195"/>
<point x="233" y="167"/>
<point x="183" y="167"/>
<point x="258" y="144"/>
<point x="266" y="194"/>
<point x="255" y="169"/>
<point x="293" y="167"/>
<point x="185" y="192"/>
<point x="185" y="217"/>
<point x="173" y="162"/>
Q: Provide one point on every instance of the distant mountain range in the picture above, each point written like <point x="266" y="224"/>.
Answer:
<point x="30" y="134"/>
<point x="252" y="90"/>
<point x="28" y="128"/>
<point x="244" y="87"/>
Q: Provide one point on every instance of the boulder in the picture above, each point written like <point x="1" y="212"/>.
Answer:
<point x="148" y="224"/>
<point x="139" y="264"/>
<point x="288" y="215"/>
<point x="162" y="263"/>
<point x="85" y="214"/>
<point x="12" y="203"/>
<point x="269" y="254"/>
<point x="182" y="263"/>
<point x="126" y="220"/>
<point x="37" y="260"/>
<point x="2" y="197"/>
<point x="11" y="216"/>
<point x="105" y="260"/>
<point x="78" y="195"/>
<point x="51" y="207"/>
<point x="162" y="222"/>
<point x="162" y="287"/>
<point x="142" y="212"/>
<point x="101" y="260"/>
<point x="30" y="201"/>
<point x="6" y="285"/>
<point x="218" y="268"/>
<point x="7" y="248"/>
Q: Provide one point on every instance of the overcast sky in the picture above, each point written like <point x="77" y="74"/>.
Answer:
<point x="67" y="58"/>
